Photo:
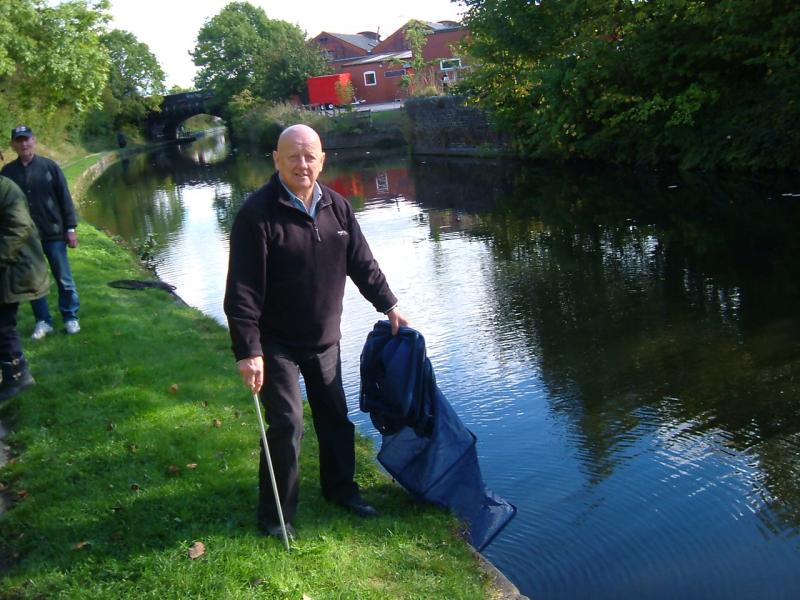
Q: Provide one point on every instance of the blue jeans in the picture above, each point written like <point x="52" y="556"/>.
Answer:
<point x="68" y="304"/>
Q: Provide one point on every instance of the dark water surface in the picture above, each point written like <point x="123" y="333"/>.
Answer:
<point x="625" y="346"/>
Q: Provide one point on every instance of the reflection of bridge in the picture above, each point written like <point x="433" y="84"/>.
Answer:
<point x="176" y="108"/>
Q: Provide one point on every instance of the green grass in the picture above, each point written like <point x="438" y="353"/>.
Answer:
<point x="386" y="118"/>
<point x="106" y="506"/>
<point x="74" y="168"/>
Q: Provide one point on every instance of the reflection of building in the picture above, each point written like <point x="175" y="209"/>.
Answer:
<point x="379" y="184"/>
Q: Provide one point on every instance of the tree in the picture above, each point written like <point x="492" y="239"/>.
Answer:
<point x="420" y="79"/>
<point x="136" y="80"/>
<point x="689" y="81"/>
<point x="51" y="58"/>
<point x="242" y="49"/>
<point x="134" y="87"/>
<point x="286" y="62"/>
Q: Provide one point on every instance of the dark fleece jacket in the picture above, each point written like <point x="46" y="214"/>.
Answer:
<point x="287" y="272"/>
<point x="50" y="202"/>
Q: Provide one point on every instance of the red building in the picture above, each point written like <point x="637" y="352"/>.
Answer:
<point x="376" y="67"/>
<point x="377" y="78"/>
<point x="342" y="45"/>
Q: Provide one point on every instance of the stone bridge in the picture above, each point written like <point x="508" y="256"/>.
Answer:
<point x="176" y="108"/>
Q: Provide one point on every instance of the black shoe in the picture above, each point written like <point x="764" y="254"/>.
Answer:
<point x="276" y="531"/>
<point x="357" y="506"/>
<point x="15" y="384"/>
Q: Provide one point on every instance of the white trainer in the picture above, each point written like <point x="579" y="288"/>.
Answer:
<point x="41" y="329"/>
<point x="72" y="327"/>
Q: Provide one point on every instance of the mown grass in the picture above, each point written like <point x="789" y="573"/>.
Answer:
<point x="139" y="440"/>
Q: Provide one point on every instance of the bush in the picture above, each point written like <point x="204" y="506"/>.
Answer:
<point x="260" y="123"/>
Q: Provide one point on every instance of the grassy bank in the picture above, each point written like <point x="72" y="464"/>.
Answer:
<point x="139" y="441"/>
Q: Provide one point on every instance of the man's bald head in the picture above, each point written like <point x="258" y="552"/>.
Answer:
<point x="299" y="132"/>
<point x="299" y="159"/>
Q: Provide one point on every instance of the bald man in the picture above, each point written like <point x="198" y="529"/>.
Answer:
<point x="293" y="244"/>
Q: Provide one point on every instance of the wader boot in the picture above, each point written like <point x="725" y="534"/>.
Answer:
<point x="16" y="378"/>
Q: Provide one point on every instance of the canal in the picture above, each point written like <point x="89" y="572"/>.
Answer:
<point x="625" y="345"/>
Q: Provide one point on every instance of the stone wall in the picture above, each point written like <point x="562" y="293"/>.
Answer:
<point x="446" y="125"/>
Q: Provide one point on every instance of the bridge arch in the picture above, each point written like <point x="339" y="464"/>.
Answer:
<point x="176" y="108"/>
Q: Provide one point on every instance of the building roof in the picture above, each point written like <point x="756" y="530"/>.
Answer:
<point x="358" y="40"/>
<point x="375" y="58"/>
<point x="440" y="25"/>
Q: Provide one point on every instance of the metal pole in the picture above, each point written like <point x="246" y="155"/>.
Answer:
<point x="271" y="472"/>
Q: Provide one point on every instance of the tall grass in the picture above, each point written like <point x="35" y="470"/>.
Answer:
<point x="260" y="124"/>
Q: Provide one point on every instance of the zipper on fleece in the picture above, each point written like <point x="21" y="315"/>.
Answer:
<point x="316" y="231"/>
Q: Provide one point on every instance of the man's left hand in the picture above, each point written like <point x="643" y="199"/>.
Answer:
<point x="72" y="239"/>
<point x="397" y="320"/>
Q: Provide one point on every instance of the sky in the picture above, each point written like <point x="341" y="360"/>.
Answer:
<point x="170" y="27"/>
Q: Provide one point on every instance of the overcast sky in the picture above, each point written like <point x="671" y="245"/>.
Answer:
<point x="170" y="27"/>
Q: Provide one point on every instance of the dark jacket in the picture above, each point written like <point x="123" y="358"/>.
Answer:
<point x="287" y="271"/>
<point x="48" y="196"/>
<point x="425" y="446"/>
<point x="23" y="270"/>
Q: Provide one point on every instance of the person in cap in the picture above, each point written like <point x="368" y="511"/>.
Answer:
<point x="53" y="211"/>
<point x="23" y="277"/>
<point x="293" y="244"/>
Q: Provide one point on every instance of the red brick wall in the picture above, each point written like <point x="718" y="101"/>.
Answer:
<point x="338" y="48"/>
<point x="438" y="44"/>
<point x="394" y="43"/>
<point x="387" y="89"/>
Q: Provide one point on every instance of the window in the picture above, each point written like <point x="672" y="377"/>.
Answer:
<point x="369" y="78"/>
<point x="382" y="183"/>
<point x="396" y="73"/>
<point x="450" y="64"/>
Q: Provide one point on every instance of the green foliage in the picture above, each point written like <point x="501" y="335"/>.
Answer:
<point x="421" y="78"/>
<point x="259" y="123"/>
<point x="134" y="88"/>
<point x="285" y="62"/>
<point x="51" y="59"/>
<point x="345" y="92"/>
<point x="242" y="49"/>
<point x="703" y="84"/>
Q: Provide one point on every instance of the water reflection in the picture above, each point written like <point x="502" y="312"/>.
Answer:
<point x="625" y="345"/>
<point x="211" y="147"/>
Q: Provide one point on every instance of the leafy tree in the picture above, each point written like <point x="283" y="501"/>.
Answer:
<point x="242" y="49"/>
<point x="134" y="88"/>
<point x="135" y="70"/>
<point x="420" y="79"/>
<point x="690" y="81"/>
<point x="285" y="62"/>
<point x="51" y="58"/>
<point x="136" y="80"/>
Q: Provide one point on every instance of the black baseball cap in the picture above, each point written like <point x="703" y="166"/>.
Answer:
<point x="21" y="131"/>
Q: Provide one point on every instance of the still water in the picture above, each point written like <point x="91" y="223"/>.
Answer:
<point x="625" y="346"/>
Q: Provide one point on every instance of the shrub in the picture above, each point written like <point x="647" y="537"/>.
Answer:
<point x="260" y="123"/>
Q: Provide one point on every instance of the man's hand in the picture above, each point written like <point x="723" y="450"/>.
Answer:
<point x="72" y="239"/>
<point x="252" y="372"/>
<point x="397" y="320"/>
